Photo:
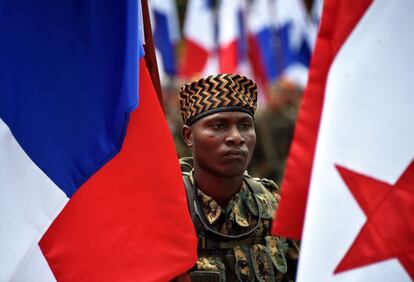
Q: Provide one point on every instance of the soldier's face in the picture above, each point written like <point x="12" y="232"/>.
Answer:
<point x="222" y="143"/>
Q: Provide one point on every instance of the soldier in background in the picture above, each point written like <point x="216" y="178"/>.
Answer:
<point x="274" y="127"/>
<point x="231" y="211"/>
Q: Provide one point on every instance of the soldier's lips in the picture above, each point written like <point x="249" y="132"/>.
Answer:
<point x="235" y="154"/>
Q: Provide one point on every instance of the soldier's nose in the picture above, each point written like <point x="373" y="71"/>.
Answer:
<point x="234" y="137"/>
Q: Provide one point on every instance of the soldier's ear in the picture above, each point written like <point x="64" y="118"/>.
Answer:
<point x="187" y="134"/>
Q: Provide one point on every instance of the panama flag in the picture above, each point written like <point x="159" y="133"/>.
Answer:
<point x="314" y="21"/>
<point x="232" y="38"/>
<point x="291" y="25"/>
<point x="166" y="34"/>
<point x="262" y="41"/>
<point x="200" y="39"/>
<point x="353" y="148"/>
<point x="281" y="40"/>
<point x="316" y="13"/>
<point x="90" y="187"/>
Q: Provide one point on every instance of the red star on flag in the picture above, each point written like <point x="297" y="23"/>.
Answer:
<point x="389" y="230"/>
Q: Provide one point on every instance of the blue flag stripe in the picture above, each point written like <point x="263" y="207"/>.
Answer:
<point x="68" y="82"/>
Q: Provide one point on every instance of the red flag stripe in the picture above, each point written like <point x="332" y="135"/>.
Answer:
<point x="338" y="20"/>
<point x="129" y="221"/>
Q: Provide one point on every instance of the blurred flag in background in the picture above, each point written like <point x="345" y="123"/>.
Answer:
<point x="200" y="39"/>
<point x="291" y="24"/>
<point x="264" y="39"/>
<point x="166" y="32"/>
<point x="232" y="37"/>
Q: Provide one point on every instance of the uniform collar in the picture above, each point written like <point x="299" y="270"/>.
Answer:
<point x="235" y="210"/>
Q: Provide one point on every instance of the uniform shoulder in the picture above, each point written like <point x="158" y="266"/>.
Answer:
<point x="268" y="184"/>
<point x="263" y="186"/>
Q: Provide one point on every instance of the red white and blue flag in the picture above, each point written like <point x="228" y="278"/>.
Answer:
<point x="352" y="159"/>
<point x="262" y="41"/>
<point x="200" y="39"/>
<point x="215" y="38"/>
<point x="90" y="187"/>
<point x="232" y="37"/>
<point x="164" y="20"/>
<point x="266" y="39"/>
<point x="280" y="40"/>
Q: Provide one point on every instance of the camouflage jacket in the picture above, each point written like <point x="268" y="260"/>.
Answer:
<point x="256" y="257"/>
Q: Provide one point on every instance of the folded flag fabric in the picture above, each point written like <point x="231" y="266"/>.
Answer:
<point x="280" y="40"/>
<point x="351" y="162"/>
<point x="200" y="39"/>
<point x="166" y="34"/>
<point x="82" y="197"/>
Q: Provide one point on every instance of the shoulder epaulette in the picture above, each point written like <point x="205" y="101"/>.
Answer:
<point x="266" y="183"/>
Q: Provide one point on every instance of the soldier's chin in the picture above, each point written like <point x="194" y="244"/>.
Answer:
<point x="234" y="170"/>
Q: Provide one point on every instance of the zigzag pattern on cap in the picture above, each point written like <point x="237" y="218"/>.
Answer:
<point x="221" y="92"/>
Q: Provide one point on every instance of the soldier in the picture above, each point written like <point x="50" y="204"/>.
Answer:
<point x="231" y="211"/>
<point x="274" y="130"/>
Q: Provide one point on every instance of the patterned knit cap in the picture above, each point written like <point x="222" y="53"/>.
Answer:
<point x="217" y="93"/>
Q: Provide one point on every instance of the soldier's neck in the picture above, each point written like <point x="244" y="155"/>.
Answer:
<point x="220" y="188"/>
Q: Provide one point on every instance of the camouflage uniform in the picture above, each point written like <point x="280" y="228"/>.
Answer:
<point x="257" y="257"/>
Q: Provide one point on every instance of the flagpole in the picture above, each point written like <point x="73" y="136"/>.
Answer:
<point x="150" y="58"/>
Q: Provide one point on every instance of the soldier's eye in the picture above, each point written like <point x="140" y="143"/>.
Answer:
<point x="218" y="125"/>
<point x="245" y="125"/>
